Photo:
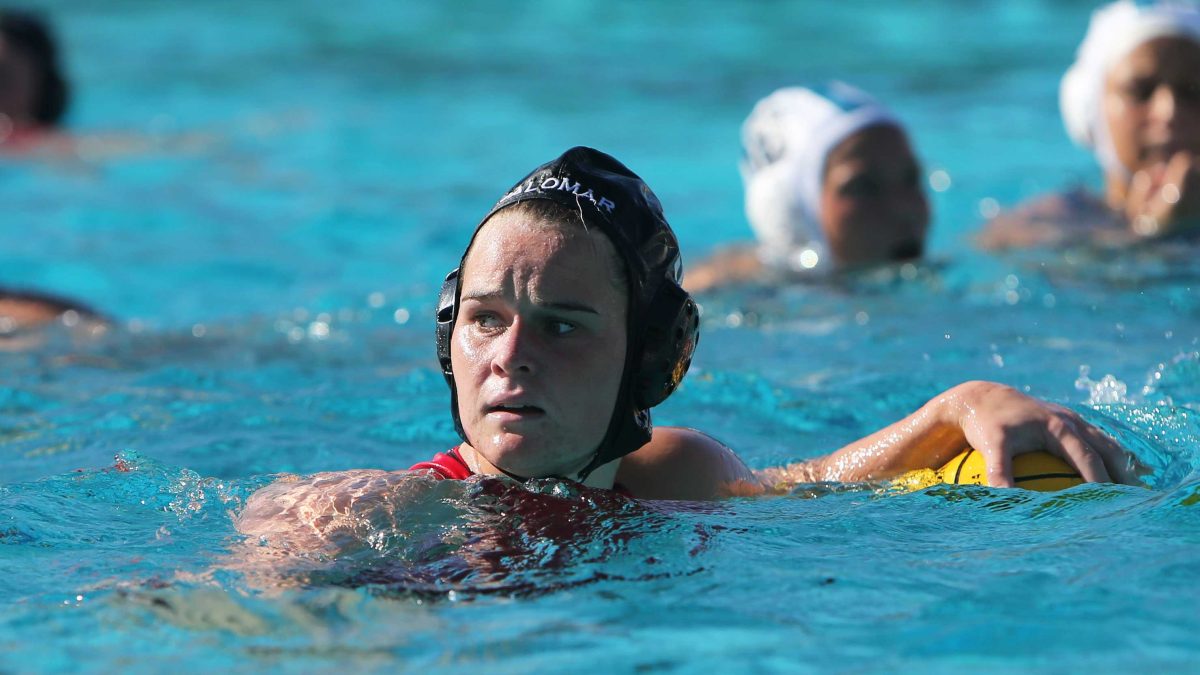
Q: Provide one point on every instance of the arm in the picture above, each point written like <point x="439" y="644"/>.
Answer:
<point x="327" y="513"/>
<point x="735" y="264"/>
<point x="1055" y="220"/>
<point x="996" y="420"/>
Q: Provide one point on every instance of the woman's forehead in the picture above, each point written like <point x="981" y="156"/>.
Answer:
<point x="562" y="253"/>
<point x="876" y="140"/>
<point x="1160" y="55"/>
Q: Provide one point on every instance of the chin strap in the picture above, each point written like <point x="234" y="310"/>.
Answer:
<point x="587" y="470"/>
<point x="582" y="476"/>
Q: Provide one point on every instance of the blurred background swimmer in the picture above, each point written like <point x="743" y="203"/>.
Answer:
<point x="33" y="100"/>
<point x="831" y="182"/>
<point x="1132" y="97"/>
<point x="33" y="90"/>
<point x="35" y="95"/>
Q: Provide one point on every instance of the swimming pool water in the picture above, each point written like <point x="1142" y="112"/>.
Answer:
<point x="266" y="200"/>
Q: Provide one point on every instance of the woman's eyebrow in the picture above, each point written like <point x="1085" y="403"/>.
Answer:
<point x="481" y="296"/>
<point x="557" y="305"/>
<point x="566" y="306"/>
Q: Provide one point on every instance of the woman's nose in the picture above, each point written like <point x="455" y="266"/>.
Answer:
<point x="514" y="350"/>
<point x="1163" y="103"/>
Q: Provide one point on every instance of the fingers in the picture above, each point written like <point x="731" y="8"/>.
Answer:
<point x="1165" y="200"/>
<point x="1137" y="198"/>
<point x="1087" y="461"/>
<point x="1004" y="423"/>
<point x="1172" y="195"/>
<point x="1185" y="174"/>
<point x="1122" y="465"/>
<point x="1107" y="460"/>
<point x="1177" y="168"/>
<point x="999" y="468"/>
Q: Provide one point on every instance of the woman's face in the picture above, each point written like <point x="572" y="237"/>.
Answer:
<point x="538" y="348"/>
<point x="873" y="209"/>
<point x="1152" y="103"/>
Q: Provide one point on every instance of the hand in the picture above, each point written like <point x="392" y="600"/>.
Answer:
<point x="1001" y="422"/>
<point x="1165" y="200"/>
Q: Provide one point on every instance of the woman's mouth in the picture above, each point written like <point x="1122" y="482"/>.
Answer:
<point x="908" y="250"/>
<point x="514" y="412"/>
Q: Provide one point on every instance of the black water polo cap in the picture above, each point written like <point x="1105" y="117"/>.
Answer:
<point x="664" y="324"/>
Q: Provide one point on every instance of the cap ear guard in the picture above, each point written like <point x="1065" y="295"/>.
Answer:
<point x="672" y="331"/>
<point x="447" y="312"/>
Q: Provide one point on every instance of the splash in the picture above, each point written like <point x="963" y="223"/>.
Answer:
<point x="1175" y="382"/>
<point x="1105" y="391"/>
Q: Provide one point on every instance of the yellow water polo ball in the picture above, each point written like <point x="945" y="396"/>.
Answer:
<point x="1039" y="471"/>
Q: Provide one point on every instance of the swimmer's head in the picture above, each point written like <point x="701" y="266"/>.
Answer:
<point x="1133" y="94"/>
<point x="33" y="92"/>
<point x="565" y="321"/>
<point x="831" y="181"/>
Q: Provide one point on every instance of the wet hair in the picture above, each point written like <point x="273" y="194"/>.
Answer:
<point x="30" y="34"/>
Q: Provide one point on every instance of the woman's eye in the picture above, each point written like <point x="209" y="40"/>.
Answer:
<point x="861" y="186"/>
<point x="1140" y="90"/>
<point x="486" y="320"/>
<point x="560" y="327"/>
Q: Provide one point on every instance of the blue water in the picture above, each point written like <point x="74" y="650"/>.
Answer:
<point x="266" y="198"/>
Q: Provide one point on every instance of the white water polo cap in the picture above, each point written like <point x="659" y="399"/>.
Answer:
<point x="1115" y="31"/>
<point x="785" y="142"/>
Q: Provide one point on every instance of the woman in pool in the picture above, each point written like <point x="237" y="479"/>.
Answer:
<point x="33" y="92"/>
<point x="564" y="323"/>
<point x="1133" y="98"/>
<point x="33" y="99"/>
<point x="831" y="183"/>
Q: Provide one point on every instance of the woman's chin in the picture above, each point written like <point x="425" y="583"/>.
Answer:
<point x="529" y="455"/>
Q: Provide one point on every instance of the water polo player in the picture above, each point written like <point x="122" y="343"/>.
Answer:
<point x="831" y="182"/>
<point x="564" y="323"/>
<point x="1133" y="98"/>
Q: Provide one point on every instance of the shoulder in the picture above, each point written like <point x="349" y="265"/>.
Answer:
<point x="680" y="463"/>
<point x="738" y="263"/>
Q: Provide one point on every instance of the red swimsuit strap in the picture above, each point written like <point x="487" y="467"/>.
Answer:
<point x="448" y="465"/>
